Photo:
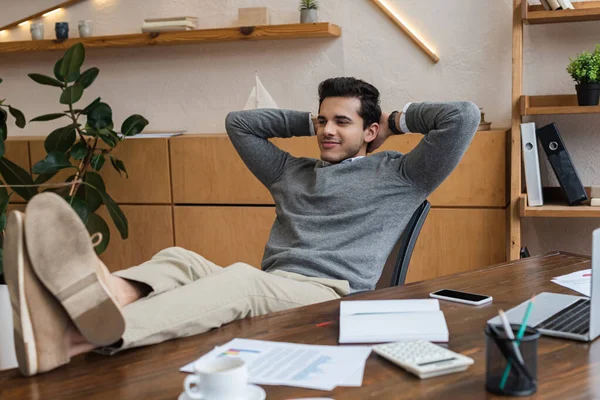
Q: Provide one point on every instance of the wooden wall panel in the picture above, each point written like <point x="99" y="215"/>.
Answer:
<point x="457" y="240"/>
<point x="150" y="231"/>
<point x="224" y="234"/>
<point x="147" y="162"/>
<point x="220" y="177"/>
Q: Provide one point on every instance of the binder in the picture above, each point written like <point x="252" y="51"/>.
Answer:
<point x="531" y="163"/>
<point x="561" y="163"/>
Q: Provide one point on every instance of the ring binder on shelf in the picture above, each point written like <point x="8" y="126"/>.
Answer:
<point x="561" y="163"/>
<point x="531" y="163"/>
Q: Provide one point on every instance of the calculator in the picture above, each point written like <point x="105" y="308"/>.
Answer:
<point x="422" y="358"/>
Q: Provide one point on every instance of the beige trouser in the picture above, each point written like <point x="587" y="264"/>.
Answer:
<point x="191" y="295"/>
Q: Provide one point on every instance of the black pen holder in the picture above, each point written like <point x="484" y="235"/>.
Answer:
<point x="521" y="379"/>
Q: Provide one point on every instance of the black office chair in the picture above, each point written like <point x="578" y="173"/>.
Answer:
<point x="400" y="256"/>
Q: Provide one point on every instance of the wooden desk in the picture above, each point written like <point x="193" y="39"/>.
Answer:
<point x="567" y="369"/>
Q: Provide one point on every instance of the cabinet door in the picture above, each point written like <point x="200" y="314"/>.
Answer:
<point x="224" y="235"/>
<point x="150" y="231"/>
<point x="458" y="240"/>
<point x="147" y="164"/>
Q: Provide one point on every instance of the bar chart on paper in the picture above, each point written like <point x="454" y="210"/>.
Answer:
<point x="291" y="364"/>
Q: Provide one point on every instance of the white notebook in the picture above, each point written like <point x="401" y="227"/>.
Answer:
<point x="378" y="321"/>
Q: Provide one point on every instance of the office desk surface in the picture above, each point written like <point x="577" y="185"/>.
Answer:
<point x="567" y="369"/>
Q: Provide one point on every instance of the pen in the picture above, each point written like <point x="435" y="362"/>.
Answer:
<point x="520" y="335"/>
<point x="510" y="335"/>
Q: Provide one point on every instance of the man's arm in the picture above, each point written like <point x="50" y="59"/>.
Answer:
<point x="249" y="132"/>
<point x="448" y="127"/>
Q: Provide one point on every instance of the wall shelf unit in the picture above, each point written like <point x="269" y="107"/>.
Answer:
<point x="554" y="105"/>
<point x="523" y="105"/>
<point x="584" y="11"/>
<point x="263" y="32"/>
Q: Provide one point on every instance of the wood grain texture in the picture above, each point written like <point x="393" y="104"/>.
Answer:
<point x="64" y="4"/>
<point x="150" y="231"/>
<point x="17" y="151"/>
<point x="557" y="210"/>
<point x="584" y="11"/>
<point x="513" y="240"/>
<point x="554" y="105"/>
<point x="224" y="235"/>
<point x="147" y="162"/>
<point x="220" y="176"/>
<point x="264" y="32"/>
<point x="566" y="369"/>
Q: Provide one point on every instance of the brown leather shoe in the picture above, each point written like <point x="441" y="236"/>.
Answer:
<point x="64" y="259"/>
<point x="40" y="322"/>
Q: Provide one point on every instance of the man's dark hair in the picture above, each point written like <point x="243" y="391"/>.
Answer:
<point x="370" y="111"/>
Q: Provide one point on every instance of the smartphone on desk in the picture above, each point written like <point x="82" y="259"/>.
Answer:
<point x="461" y="297"/>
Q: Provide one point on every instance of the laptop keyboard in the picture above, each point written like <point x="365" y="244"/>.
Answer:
<point x="573" y="319"/>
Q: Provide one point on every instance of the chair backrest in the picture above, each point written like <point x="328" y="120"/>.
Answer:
<point x="402" y="252"/>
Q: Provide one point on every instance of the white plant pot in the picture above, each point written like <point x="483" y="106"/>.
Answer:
<point x="8" y="358"/>
<point x="309" y="16"/>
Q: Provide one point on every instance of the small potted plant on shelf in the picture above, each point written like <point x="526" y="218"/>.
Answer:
<point x="585" y="70"/>
<point x="308" y="11"/>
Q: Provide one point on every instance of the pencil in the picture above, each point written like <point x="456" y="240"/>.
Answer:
<point x="520" y="335"/>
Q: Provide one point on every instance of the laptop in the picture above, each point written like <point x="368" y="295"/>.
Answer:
<point x="561" y="315"/>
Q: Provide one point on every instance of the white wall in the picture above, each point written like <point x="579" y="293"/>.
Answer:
<point x="193" y="87"/>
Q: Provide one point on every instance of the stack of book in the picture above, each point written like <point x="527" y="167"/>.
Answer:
<point x="171" y="24"/>
<point x="595" y="195"/>
<point x="551" y="5"/>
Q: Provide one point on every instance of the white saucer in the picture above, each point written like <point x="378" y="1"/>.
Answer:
<point x="254" y="393"/>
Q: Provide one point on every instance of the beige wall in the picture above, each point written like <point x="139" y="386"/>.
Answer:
<point x="193" y="87"/>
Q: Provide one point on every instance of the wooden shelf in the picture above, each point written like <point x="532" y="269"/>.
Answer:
<point x="557" y="210"/>
<point x="584" y="11"/>
<point x="554" y="104"/>
<point x="264" y="32"/>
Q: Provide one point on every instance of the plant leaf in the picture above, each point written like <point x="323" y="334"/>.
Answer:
<point x="88" y="77"/>
<point x="118" y="165"/>
<point x="3" y="127"/>
<point x="133" y="125"/>
<point x="72" y="62"/>
<point x="19" y="117"/>
<point x="2" y="148"/>
<point x="97" y="161"/>
<point x="91" y="107"/>
<point x="80" y="207"/>
<point x="109" y="137"/>
<point x="79" y="151"/>
<point x="72" y="94"/>
<point x="45" y="80"/>
<point x="43" y="178"/>
<point x="115" y="213"/>
<point x="96" y="224"/>
<point x="48" y="117"/>
<point x="100" y="117"/>
<point x="61" y="139"/>
<point x="57" y="69"/>
<point x="15" y="175"/>
<point x="92" y="196"/>
<point x="54" y="162"/>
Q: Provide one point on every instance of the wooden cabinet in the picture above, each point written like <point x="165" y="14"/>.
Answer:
<point x="150" y="231"/>
<point x="220" y="177"/>
<point x="147" y="163"/>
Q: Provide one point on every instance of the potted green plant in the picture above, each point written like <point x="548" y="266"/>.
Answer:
<point x="8" y="358"/>
<point x="585" y="70"/>
<point x="309" y="11"/>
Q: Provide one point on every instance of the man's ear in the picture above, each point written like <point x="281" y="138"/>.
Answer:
<point x="372" y="132"/>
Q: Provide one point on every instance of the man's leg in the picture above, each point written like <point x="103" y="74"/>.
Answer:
<point x="237" y="292"/>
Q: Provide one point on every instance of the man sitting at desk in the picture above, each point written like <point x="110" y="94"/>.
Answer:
<point x="338" y="218"/>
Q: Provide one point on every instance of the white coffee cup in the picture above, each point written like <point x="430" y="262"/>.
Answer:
<point x="221" y="379"/>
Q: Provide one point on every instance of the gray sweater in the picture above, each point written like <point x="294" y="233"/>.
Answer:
<point x="341" y="221"/>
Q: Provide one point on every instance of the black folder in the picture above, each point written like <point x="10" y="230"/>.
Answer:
<point x="562" y="164"/>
